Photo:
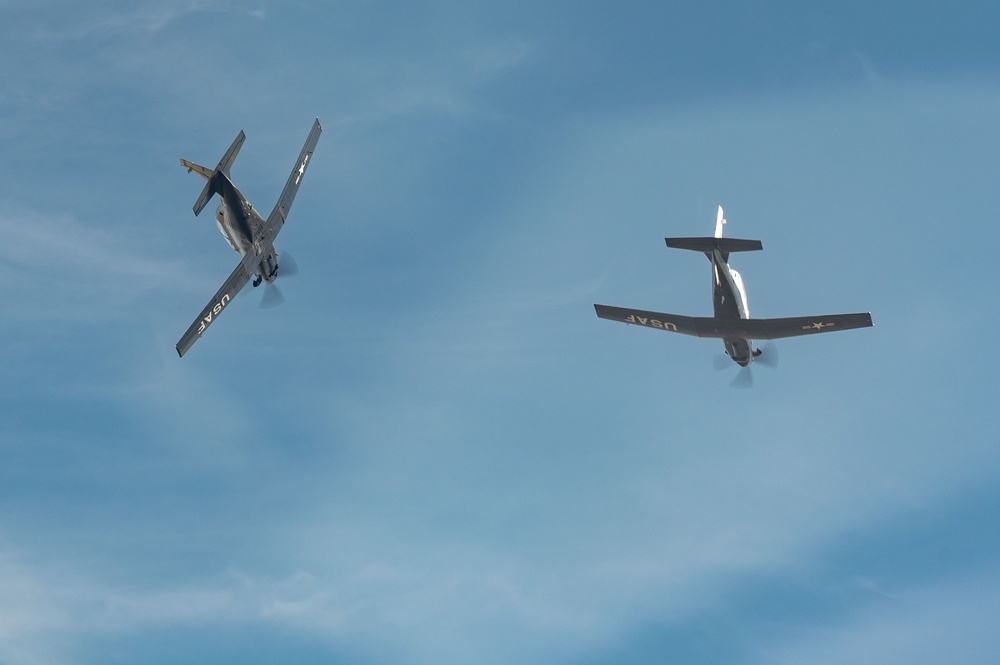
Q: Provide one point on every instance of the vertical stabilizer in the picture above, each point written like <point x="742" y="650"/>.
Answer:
<point x="224" y="165"/>
<point x="719" y="222"/>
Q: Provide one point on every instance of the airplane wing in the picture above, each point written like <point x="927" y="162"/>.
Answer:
<point x="277" y="217"/>
<point x="803" y="325"/>
<point x="229" y="289"/>
<point x="745" y="328"/>
<point x="685" y="325"/>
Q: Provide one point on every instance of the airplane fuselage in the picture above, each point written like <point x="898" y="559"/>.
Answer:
<point x="239" y="224"/>
<point x="729" y="298"/>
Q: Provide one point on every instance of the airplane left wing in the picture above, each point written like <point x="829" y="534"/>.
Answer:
<point x="746" y="328"/>
<point x="685" y="325"/>
<point x="229" y="289"/>
<point x="277" y="217"/>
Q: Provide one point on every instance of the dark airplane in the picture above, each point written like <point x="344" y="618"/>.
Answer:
<point x="731" y="323"/>
<point x="245" y="230"/>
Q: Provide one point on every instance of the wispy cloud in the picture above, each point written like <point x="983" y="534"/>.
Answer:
<point x="952" y="620"/>
<point x="49" y="260"/>
<point x="48" y="612"/>
<point x="125" y="19"/>
<point x="445" y="80"/>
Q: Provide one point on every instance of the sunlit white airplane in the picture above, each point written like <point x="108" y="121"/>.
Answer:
<point x="731" y="323"/>
<point x="246" y="231"/>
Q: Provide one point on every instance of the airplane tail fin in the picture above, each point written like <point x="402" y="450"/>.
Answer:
<point x="716" y="242"/>
<point x="719" y="222"/>
<point x="208" y="174"/>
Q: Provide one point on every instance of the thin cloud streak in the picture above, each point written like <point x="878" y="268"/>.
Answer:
<point x="58" y="268"/>
<point x="952" y="620"/>
<point x="107" y="22"/>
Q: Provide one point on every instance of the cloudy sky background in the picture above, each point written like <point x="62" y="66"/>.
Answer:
<point x="433" y="451"/>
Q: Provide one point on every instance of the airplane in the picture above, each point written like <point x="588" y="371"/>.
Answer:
<point x="731" y="323"/>
<point x="251" y="236"/>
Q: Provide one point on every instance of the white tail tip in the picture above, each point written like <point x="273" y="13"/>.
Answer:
<point x="719" y="221"/>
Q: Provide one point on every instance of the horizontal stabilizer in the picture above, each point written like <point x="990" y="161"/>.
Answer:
<point x="203" y="171"/>
<point x="224" y="165"/>
<point x="724" y="245"/>
<point x="206" y="194"/>
<point x="741" y="328"/>
<point x="227" y="159"/>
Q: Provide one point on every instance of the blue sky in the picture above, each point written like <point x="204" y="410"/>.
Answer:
<point x="433" y="451"/>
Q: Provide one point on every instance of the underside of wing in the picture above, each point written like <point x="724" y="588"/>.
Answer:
<point x="804" y="325"/>
<point x="237" y="280"/>
<point x="277" y="217"/>
<point x="685" y="325"/>
<point x="743" y="328"/>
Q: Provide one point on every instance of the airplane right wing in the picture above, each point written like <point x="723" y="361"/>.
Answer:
<point x="277" y="217"/>
<point x="229" y="289"/>
<point x="746" y="328"/>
